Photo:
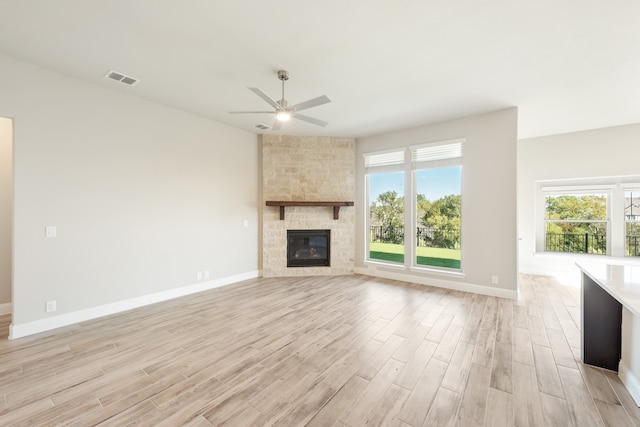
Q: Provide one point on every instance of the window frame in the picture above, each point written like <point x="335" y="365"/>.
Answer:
<point x="409" y="168"/>
<point x="631" y="188"/>
<point x="606" y="221"/>
<point x="368" y="225"/>
<point x="614" y="221"/>
<point x="418" y="165"/>
<point x="385" y="167"/>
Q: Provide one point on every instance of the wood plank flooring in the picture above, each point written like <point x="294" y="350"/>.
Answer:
<point x="321" y="351"/>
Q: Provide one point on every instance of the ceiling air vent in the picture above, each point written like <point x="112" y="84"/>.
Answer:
<point x="122" y="78"/>
<point x="261" y="126"/>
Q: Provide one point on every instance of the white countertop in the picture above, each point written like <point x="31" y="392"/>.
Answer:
<point x="621" y="281"/>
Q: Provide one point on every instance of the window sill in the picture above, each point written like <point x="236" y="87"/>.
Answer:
<point x="438" y="272"/>
<point x="376" y="264"/>
<point x="587" y="257"/>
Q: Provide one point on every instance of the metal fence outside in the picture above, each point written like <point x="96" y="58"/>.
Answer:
<point x="582" y="243"/>
<point x="633" y="245"/>
<point x="425" y="237"/>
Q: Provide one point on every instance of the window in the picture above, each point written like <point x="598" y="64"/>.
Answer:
<point x="385" y="200"/>
<point x="437" y="174"/>
<point x="576" y="222"/>
<point x="632" y="222"/>
<point x="414" y="205"/>
<point x="599" y="218"/>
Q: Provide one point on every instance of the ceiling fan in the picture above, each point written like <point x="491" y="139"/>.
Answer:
<point x="283" y="111"/>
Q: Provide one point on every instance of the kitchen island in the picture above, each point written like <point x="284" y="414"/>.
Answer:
<point x="610" y="320"/>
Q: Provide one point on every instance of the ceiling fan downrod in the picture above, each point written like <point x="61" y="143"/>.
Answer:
<point x="283" y="76"/>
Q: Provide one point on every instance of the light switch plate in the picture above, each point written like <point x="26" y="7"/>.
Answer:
<point x="51" y="231"/>
<point x="51" y="306"/>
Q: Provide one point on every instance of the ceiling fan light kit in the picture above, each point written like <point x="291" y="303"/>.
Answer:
<point x="283" y="115"/>
<point x="283" y="111"/>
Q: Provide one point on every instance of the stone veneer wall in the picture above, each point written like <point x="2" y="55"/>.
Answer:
<point x="310" y="169"/>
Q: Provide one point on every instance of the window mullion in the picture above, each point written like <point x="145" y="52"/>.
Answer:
<point x="409" y="212"/>
<point x="616" y="216"/>
<point x="367" y="218"/>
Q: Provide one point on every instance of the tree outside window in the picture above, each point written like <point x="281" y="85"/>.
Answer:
<point x="576" y="223"/>
<point x="386" y="217"/>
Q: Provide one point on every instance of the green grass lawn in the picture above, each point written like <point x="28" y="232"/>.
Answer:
<point x="435" y="257"/>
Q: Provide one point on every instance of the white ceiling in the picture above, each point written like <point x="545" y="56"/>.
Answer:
<point x="567" y="65"/>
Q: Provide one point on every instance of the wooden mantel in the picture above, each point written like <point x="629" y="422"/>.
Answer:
<point x="335" y="205"/>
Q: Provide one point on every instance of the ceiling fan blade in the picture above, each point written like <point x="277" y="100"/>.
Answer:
<point x="277" y="124"/>
<point x="311" y="103"/>
<point x="266" y="97"/>
<point x="309" y="119"/>
<point x="250" y="112"/>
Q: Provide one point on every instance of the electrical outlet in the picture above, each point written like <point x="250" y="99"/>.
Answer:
<point x="494" y="280"/>
<point x="206" y="274"/>
<point x="51" y="306"/>
<point x="199" y="275"/>
<point x="50" y="231"/>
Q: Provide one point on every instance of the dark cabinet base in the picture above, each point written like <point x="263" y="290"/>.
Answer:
<point x="601" y="326"/>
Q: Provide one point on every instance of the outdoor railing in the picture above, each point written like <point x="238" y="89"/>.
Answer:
<point x="381" y="234"/>
<point x="426" y="237"/>
<point x="582" y="243"/>
<point x="633" y="245"/>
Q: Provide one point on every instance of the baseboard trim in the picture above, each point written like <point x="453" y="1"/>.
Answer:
<point x="440" y="283"/>
<point x="630" y="381"/>
<point x="54" y="322"/>
<point x="6" y="308"/>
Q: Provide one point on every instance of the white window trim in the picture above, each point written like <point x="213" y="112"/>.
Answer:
<point x="616" y="222"/>
<point x="605" y="190"/>
<point x="627" y="188"/>
<point x="411" y="171"/>
<point x="456" y="145"/>
<point x="410" y="211"/>
<point x="367" y="226"/>
<point x="576" y="189"/>
<point x="387" y="167"/>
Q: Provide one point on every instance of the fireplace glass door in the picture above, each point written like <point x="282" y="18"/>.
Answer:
<point x="308" y="248"/>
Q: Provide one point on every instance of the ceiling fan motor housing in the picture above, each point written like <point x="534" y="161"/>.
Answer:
<point x="283" y="75"/>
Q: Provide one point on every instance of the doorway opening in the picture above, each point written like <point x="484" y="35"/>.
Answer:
<point x="6" y="222"/>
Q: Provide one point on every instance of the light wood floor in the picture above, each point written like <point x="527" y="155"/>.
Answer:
<point x="339" y="351"/>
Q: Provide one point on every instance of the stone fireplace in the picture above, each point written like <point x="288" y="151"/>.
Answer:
<point x="307" y="169"/>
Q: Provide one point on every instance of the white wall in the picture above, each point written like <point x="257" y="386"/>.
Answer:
<point x="143" y="196"/>
<point x="489" y="244"/>
<point x="6" y="203"/>
<point x="629" y="368"/>
<point x="607" y="154"/>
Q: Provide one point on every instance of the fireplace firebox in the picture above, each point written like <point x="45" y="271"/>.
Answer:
<point x="308" y="248"/>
